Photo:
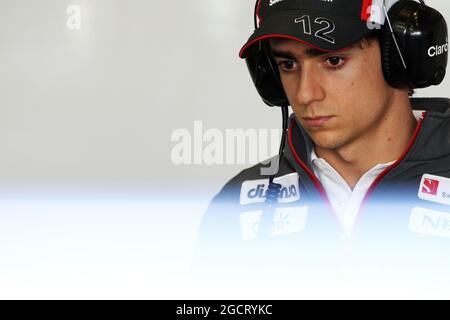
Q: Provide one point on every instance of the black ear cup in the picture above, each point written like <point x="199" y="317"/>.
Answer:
<point x="265" y="75"/>
<point x="394" y="70"/>
<point x="385" y="47"/>
<point x="422" y="39"/>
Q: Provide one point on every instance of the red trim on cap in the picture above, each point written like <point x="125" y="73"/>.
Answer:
<point x="313" y="177"/>
<point x="365" y="15"/>
<point x="392" y="166"/>
<point x="257" y="11"/>
<point x="241" y="53"/>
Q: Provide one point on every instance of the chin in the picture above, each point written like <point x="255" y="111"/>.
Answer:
<point x="327" y="140"/>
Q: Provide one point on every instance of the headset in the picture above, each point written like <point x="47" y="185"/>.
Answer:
<point x="414" y="54"/>
<point x="414" y="51"/>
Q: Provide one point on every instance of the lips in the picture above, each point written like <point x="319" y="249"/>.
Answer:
<point x="317" y="121"/>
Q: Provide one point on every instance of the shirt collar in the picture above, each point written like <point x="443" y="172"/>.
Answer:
<point x="314" y="156"/>
<point x="315" y="160"/>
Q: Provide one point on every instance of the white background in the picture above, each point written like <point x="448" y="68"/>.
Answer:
<point x="86" y="118"/>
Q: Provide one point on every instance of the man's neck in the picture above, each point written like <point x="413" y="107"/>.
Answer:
<point x="382" y="144"/>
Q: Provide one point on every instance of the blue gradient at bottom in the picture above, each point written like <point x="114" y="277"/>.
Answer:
<point x="397" y="249"/>
<point x="83" y="247"/>
<point x="157" y="248"/>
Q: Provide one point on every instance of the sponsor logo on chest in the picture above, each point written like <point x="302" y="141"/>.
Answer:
<point x="435" y="189"/>
<point x="254" y="191"/>
<point x="430" y="222"/>
<point x="285" y="221"/>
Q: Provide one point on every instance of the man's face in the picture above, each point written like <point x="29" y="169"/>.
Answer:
<point x="338" y="97"/>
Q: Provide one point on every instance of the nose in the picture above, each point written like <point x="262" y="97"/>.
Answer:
<point x="309" y="88"/>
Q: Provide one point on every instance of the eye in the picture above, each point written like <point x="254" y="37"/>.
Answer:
<point x="287" y="65"/>
<point x="335" y="62"/>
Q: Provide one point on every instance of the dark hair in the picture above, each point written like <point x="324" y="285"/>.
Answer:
<point x="373" y="35"/>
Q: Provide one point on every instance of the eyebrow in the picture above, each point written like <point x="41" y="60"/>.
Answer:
<point x="310" y="53"/>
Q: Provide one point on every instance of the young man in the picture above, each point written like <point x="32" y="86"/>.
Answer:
<point x="360" y="167"/>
